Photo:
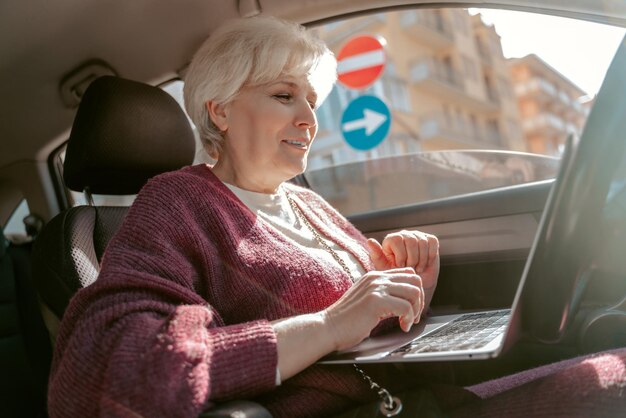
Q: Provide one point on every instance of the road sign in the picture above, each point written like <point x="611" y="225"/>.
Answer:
<point x="365" y="122"/>
<point x="360" y="62"/>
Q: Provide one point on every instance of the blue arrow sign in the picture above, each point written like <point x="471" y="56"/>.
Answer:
<point x="365" y="122"/>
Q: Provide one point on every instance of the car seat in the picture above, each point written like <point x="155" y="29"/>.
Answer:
<point x="25" y="351"/>
<point x="124" y="133"/>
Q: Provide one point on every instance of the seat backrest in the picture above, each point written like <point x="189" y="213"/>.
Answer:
<point x="68" y="252"/>
<point x="25" y="352"/>
<point x="124" y="133"/>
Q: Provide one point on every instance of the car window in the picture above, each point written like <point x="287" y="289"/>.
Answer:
<point x="15" y="227"/>
<point x="175" y="89"/>
<point x="466" y="104"/>
<point x="433" y="103"/>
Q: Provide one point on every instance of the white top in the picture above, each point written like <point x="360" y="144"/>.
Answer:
<point x="276" y="210"/>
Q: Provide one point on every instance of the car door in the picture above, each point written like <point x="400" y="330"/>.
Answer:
<point x="484" y="236"/>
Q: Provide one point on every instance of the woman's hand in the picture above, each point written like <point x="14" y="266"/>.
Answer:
<point x="374" y="297"/>
<point x="414" y="249"/>
<point x="303" y="339"/>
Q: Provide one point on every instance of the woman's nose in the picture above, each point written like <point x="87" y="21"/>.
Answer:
<point x="306" y="116"/>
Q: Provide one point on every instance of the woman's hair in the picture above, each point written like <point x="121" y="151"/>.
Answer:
<point x="250" y="52"/>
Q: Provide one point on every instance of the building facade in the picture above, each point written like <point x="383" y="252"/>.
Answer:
<point x="551" y="107"/>
<point x="449" y="87"/>
<point x="446" y="82"/>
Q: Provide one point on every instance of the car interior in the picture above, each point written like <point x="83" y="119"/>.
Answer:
<point x="85" y="114"/>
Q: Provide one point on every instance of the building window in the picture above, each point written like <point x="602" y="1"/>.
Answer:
<point x="396" y="92"/>
<point x="493" y="132"/>
<point x="470" y="68"/>
<point x="393" y="88"/>
<point x="460" y="20"/>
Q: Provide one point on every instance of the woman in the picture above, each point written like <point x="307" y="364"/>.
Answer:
<point x="228" y="282"/>
<point x="215" y="287"/>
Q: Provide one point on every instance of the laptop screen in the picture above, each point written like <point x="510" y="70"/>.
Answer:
<point x="589" y="192"/>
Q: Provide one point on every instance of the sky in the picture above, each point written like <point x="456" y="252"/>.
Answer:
<point x="581" y="51"/>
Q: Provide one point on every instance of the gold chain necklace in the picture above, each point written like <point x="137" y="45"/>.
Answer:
<point x="390" y="406"/>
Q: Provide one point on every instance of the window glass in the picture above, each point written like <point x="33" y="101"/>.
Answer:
<point x="175" y="89"/>
<point x="478" y="99"/>
<point x="15" y="226"/>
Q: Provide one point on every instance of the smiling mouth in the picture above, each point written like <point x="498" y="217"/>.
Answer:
<point x="296" y="143"/>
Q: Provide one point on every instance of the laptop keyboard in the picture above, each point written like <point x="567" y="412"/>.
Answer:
<point x="464" y="333"/>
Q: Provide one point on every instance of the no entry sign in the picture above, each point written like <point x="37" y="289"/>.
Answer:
<point x="360" y="62"/>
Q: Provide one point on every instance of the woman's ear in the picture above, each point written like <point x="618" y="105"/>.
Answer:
<point x="217" y="114"/>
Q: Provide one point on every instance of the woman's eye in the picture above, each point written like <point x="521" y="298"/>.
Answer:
<point x="312" y="104"/>
<point x="283" y="97"/>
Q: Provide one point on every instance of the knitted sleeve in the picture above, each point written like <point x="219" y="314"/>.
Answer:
<point x="141" y="341"/>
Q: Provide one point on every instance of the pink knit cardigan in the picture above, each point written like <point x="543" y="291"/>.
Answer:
<point x="179" y="316"/>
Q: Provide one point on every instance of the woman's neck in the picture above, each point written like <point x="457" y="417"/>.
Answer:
<point x="228" y="174"/>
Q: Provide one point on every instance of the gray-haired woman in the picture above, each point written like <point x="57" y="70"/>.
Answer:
<point x="228" y="282"/>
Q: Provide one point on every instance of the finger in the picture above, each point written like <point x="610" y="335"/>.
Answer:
<point x="411" y="243"/>
<point x="388" y="251"/>
<point x="408" y="286"/>
<point x="375" y="276"/>
<point x="412" y="294"/>
<point x="393" y="247"/>
<point x="415" y="281"/>
<point x="376" y="254"/>
<point x="407" y="270"/>
<point x="395" y="306"/>
<point x="408" y="278"/>
<point x="423" y="256"/>
<point x="433" y="248"/>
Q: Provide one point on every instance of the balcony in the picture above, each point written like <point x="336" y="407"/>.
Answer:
<point x="428" y="27"/>
<point x="493" y="95"/>
<point x="444" y="132"/>
<point x="565" y="99"/>
<point x="571" y="127"/>
<point x="493" y="138"/>
<point x="537" y="88"/>
<point x="545" y="123"/>
<point x="446" y="83"/>
<point x="483" y="52"/>
<point x="578" y="107"/>
<point x="437" y="70"/>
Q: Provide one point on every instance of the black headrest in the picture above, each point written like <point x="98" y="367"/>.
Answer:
<point x="124" y="133"/>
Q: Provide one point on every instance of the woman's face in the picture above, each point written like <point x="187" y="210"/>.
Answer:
<point x="268" y="133"/>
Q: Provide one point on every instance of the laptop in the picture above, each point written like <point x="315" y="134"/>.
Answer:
<point x="545" y="301"/>
<point x="475" y="335"/>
